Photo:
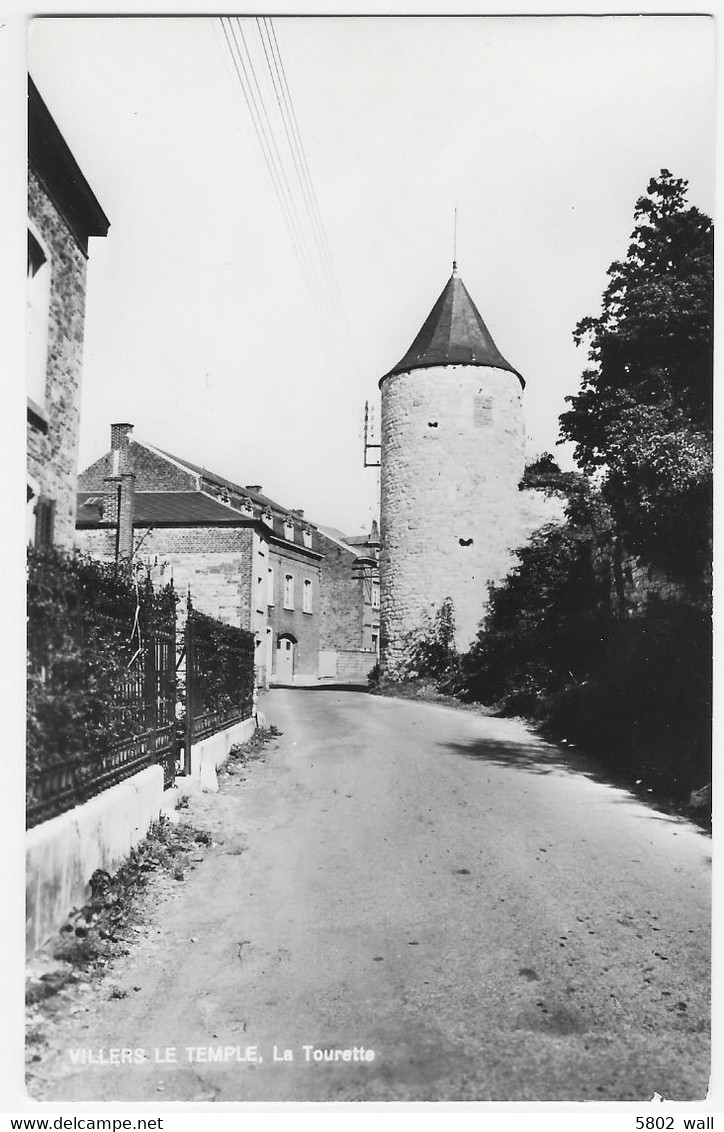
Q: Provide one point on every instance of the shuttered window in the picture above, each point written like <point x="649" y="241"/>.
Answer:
<point x="44" y="522"/>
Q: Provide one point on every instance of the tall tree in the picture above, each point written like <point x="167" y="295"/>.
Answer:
<point x="643" y="418"/>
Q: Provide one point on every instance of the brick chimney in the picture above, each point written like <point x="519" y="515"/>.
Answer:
<point x="120" y="441"/>
<point x="126" y="509"/>
<point x="111" y="501"/>
<point x="253" y="486"/>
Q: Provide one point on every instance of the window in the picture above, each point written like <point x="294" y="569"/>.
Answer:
<point x="307" y="535"/>
<point x="289" y="530"/>
<point x="289" y="591"/>
<point x="270" y="586"/>
<point x="38" y="299"/>
<point x="375" y="596"/>
<point x="375" y="642"/>
<point x="44" y="522"/>
<point x="307" y="596"/>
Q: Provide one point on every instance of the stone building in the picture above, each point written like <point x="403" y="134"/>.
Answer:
<point x="452" y="457"/>
<point x="349" y="605"/>
<point x="244" y="558"/>
<point x="62" y="214"/>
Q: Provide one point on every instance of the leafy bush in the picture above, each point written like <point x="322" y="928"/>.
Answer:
<point x="87" y="621"/>
<point x="559" y="645"/>
<point x="431" y="656"/>
<point x="647" y="709"/>
<point x="223" y="667"/>
<point x="434" y="654"/>
<point x="545" y="623"/>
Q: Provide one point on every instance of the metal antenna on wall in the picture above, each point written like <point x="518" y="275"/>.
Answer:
<point x="455" y="240"/>
<point x="369" y="446"/>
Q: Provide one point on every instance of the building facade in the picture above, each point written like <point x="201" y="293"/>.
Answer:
<point x="243" y="558"/>
<point x="63" y="214"/>
<point x="350" y="605"/>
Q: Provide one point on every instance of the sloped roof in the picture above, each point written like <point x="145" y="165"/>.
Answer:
<point x="355" y="545"/>
<point x="453" y="334"/>
<point x="255" y="496"/>
<point x="361" y="540"/>
<point x="337" y="537"/>
<point x="164" y="508"/>
<point x="50" y="158"/>
<point x="196" y="504"/>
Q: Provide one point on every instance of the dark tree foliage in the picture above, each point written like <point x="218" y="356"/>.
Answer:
<point x="544" y="474"/>
<point x="633" y="690"/>
<point x="547" y="620"/>
<point x="646" y="709"/>
<point x="223" y="667"/>
<point x="643" y="417"/>
<point x="560" y="641"/>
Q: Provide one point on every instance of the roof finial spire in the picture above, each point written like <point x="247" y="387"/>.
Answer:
<point x="455" y="242"/>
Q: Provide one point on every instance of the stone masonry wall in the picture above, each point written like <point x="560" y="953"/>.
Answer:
<point x="53" y="457"/>
<point x="215" y="562"/>
<point x="452" y="457"/>
<point x="341" y="606"/>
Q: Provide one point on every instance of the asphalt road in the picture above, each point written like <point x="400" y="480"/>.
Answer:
<point x="437" y="887"/>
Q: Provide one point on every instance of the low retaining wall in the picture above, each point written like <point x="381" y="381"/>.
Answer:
<point x="355" y="665"/>
<point x="208" y="755"/>
<point x="346" y="666"/>
<point x="63" y="853"/>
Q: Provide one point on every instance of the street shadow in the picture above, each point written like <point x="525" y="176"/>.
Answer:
<point x="535" y="757"/>
<point x="547" y="758"/>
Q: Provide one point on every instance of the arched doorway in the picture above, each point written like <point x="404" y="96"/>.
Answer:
<point x="285" y="658"/>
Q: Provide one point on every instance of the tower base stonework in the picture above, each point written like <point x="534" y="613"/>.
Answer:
<point x="452" y="459"/>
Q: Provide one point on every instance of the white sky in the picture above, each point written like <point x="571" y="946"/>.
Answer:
<point x="200" y="329"/>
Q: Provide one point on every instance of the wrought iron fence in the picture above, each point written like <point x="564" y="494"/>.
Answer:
<point x="101" y="681"/>
<point x="103" y="689"/>
<point x="219" y="677"/>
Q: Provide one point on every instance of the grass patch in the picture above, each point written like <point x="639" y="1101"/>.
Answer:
<point x="241" y="754"/>
<point x="422" y="690"/>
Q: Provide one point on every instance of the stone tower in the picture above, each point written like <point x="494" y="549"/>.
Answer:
<point x="452" y="456"/>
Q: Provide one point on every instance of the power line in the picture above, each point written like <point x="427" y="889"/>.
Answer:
<point x="283" y="98"/>
<point x="281" y="111"/>
<point x="293" y="207"/>
<point x="267" y="155"/>
<point x="305" y="164"/>
<point x="291" y="180"/>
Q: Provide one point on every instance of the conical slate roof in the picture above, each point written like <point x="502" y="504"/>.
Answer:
<point x="453" y="334"/>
